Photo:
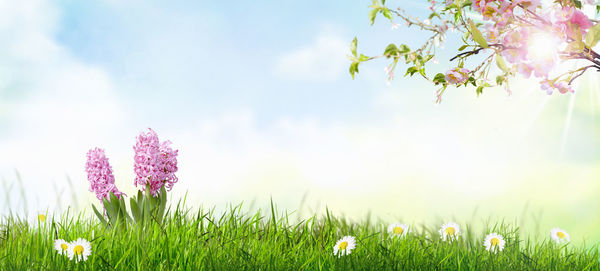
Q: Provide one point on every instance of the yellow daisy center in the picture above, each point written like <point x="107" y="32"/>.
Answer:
<point x="343" y="245"/>
<point x="450" y="230"/>
<point x="64" y="246"/>
<point x="42" y="218"/>
<point x="398" y="230"/>
<point x="78" y="249"/>
<point x="494" y="242"/>
<point x="560" y="234"/>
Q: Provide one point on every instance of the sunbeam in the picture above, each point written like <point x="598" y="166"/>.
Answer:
<point x="567" y="125"/>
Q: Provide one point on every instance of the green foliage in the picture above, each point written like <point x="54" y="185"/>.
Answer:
<point x="439" y="78"/>
<point x="144" y="207"/>
<point x="235" y="240"/>
<point x="593" y="36"/>
<point x="477" y="36"/>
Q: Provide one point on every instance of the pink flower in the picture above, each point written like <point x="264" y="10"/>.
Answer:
<point x="563" y="87"/>
<point x="516" y="38"/>
<point x="489" y="12"/>
<point x="525" y="69"/>
<point x="492" y="33"/>
<point x="547" y="86"/>
<point x="155" y="163"/>
<point x="515" y="55"/>
<point x="571" y="20"/>
<point x="580" y="20"/>
<point x="457" y="76"/>
<point x="530" y="5"/>
<point x="99" y="171"/>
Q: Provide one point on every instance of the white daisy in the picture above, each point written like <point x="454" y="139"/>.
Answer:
<point x="61" y="246"/>
<point x="450" y="231"/>
<point x="344" y="246"/>
<point x="398" y="230"/>
<point x="494" y="242"/>
<point x="559" y="235"/>
<point x="79" y="250"/>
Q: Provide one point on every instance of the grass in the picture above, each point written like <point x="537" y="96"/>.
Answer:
<point x="235" y="240"/>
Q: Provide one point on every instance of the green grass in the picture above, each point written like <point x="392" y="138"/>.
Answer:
<point x="235" y="240"/>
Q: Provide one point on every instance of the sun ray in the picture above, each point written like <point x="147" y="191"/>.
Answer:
<point x="565" y="133"/>
<point x="536" y="114"/>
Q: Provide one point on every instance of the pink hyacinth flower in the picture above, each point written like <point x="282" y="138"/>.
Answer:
<point x="155" y="163"/>
<point x="99" y="171"/>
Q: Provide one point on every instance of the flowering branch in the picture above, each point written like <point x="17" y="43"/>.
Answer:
<point x="526" y="38"/>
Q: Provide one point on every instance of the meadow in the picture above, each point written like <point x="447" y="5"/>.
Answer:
<point x="240" y="240"/>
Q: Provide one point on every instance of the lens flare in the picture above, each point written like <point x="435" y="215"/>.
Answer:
<point x="543" y="46"/>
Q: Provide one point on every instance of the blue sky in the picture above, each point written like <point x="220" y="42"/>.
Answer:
<point x="231" y="50"/>
<point x="257" y="98"/>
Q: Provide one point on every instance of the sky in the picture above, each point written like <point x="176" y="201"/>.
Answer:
<point x="258" y="100"/>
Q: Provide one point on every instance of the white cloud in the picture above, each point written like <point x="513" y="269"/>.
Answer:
<point x="59" y="106"/>
<point x="323" y="60"/>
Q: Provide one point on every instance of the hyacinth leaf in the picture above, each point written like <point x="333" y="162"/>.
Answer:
<point x="123" y="209"/>
<point x="100" y="216"/>
<point x="114" y="202"/>
<point x="477" y="36"/>
<point x="135" y="211"/>
<point x="109" y="210"/>
<point x="140" y="200"/>
<point x="162" y="203"/>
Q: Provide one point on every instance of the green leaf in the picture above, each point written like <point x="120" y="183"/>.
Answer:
<point x="477" y="36"/>
<point x="124" y="209"/>
<point x="387" y="13"/>
<point x="501" y="64"/>
<point x="403" y="49"/>
<point x="100" y="216"/>
<point x="373" y="14"/>
<point x="479" y="90"/>
<point x="439" y="78"/>
<point x="354" y="68"/>
<point x="390" y="50"/>
<point x="135" y="211"/>
<point x="500" y="79"/>
<point x="593" y="36"/>
<point x="353" y="47"/>
<point x="463" y="47"/>
<point x="412" y="70"/>
<point x="110" y="212"/>
<point x="363" y="58"/>
<point x="472" y="81"/>
<point x="575" y="47"/>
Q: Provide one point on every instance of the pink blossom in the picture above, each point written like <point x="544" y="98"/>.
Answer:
<point x="489" y="12"/>
<point x="515" y="55"/>
<point x="546" y="85"/>
<point x="99" y="171"/>
<point x="580" y="20"/>
<point x="525" y="69"/>
<point x="457" y="76"/>
<point x="563" y="87"/>
<point x="492" y="33"/>
<point x="530" y="5"/>
<point x="155" y="162"/>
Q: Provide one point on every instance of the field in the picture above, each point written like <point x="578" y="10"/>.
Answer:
<point x="235" y="240"/>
